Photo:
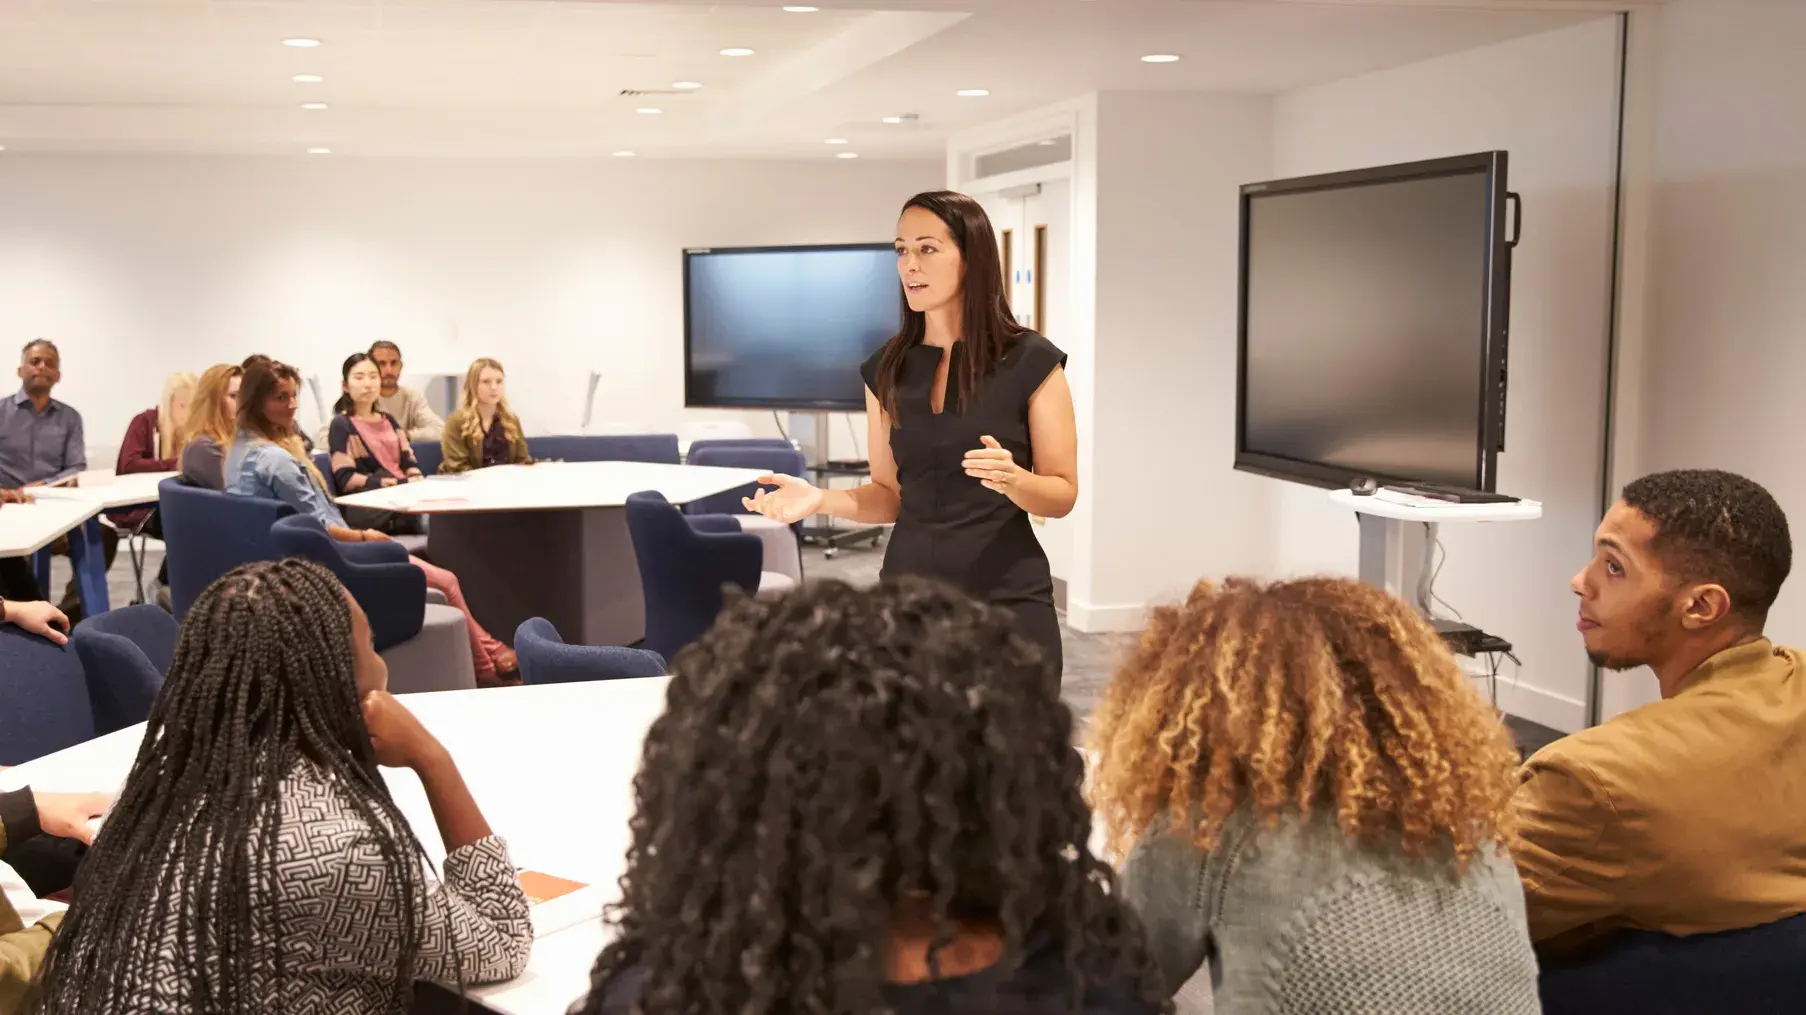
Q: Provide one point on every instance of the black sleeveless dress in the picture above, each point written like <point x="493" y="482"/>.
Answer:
<point x="951" y="527"/>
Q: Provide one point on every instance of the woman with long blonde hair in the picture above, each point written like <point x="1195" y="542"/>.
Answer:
<point x="212" y="421"/>
<point x="483" y="431"/>
<point x="150" y="439"/>
<point x="1316" y="800"/>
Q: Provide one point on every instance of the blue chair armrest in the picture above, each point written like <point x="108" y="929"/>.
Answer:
<point x="393" y="595"/>
<point x="736" y="559"/>
<point x="374" y="553"/>
<point x="715" y="524"/>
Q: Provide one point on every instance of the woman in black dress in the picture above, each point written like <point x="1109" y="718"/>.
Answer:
<point x="971" y="427"/>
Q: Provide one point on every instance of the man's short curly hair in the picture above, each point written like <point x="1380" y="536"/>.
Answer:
<point x="1718" y="527"/>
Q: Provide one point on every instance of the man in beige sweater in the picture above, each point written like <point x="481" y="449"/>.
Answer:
<point x="1688" y="815"/>
<point x="407" y="405"/>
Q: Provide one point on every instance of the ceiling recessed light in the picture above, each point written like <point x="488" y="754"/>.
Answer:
<point x="308" y="79"/>
<point x="973" y="93"/>
<point x="736" y="51"/>
<point x="313" y="105"/>
<point x="648" y="111"/>
<point x="687" y="86"/>
<point x="624" y="155"/>
<point x="1160" y="58"/>
<point x="802" y="10"/>
<point x="847" y="155"/>
<point x="833" y="140"/>
<point x="893" y="119"/>
<point x="319" y="151"/>
<point x="301" y="43"/>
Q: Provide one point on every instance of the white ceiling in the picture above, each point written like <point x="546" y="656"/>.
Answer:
<point x="538" y="78"/>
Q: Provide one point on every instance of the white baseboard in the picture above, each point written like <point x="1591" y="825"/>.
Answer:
<point x="1547" y="708"/>
<point x="1093" y="618"/>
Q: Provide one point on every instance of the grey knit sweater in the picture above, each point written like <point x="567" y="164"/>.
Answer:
<point x="1300" y="919"/>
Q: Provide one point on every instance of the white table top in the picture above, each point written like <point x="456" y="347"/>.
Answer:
<point x="110" y="492"/>
<point x="27" y="528"/>
<point x="551" y="486"/>
<point x="551" y="766"/>
<point x="1406" y="508"/>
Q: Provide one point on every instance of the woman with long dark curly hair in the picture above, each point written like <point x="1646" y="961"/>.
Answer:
<point x="1317" y="800"/>
<point x="255" y="861"/>
<point x="865" y="801"/>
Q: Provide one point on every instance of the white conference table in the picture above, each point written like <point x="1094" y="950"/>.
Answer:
<point x="550" y="765"/>
<point x="96" y="493"/>
<point x="548" y="540"/>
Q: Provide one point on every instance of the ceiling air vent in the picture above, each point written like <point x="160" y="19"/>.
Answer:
<point x="628" y="93"/>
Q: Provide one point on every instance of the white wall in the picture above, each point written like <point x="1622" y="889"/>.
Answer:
<point x="1166" y="508"/>
<point x="1727" y="280"/>
<point x="1551" y="101"/>
<point x="137" y="266"/>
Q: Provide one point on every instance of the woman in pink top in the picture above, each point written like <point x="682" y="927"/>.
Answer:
<point x="370" y="452"/>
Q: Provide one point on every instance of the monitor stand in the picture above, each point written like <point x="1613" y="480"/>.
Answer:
<point x="1391" y="550"/>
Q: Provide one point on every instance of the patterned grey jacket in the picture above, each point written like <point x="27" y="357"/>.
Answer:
<point x="1299" y="918"/>
<point x="336" y="925"/>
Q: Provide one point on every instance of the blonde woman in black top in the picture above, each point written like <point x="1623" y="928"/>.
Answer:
<point x="483" y="431"/>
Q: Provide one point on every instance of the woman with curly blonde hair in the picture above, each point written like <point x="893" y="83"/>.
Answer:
<point x="1313" y="798"/>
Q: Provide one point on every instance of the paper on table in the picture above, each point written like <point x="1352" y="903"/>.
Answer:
<point x="555" y="903"/>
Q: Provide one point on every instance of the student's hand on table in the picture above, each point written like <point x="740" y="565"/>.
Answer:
<point x="415" y="479"/>
<point x="40" y="618"/>
<point x="399" y="739"/>
<point x="69" y="815"/>
<point x="14" y="497"/>
<point x="793" y="500"/>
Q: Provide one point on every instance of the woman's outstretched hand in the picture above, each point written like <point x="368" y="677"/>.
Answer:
<point x="793" y="500"/>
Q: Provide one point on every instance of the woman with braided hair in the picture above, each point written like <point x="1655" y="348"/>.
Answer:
<point x="1317" y="802"/>
<point x="254" y="861"/>
<point x="859" y="802"/>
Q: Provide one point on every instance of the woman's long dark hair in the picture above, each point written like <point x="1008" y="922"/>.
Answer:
<point x="989" y="327"/>
<point x="261" y="376"/>
<point x="344" y="404"/>
<point x="262" y="678"/>
<point x="825" y="756"/>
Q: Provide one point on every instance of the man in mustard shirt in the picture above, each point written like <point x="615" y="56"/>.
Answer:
<point x="1687" y="815"/>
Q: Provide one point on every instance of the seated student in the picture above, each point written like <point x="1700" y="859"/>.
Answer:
<point x="1316" y="800"/>
<point x="369" y="451"/>
<point x="483" y="431"/>
<point x="863" y="800"/>
<point x="41" y="443"/>
<point x="255" y="862"/>
<point x="150" y="446"/>
<point x="406" y="405"/>
<point x="1688" y="815"/>
<point x="307" y="443"/>
<point x="27" y="924"/>
<point x="212" y="423"/>
<point x="266" y="460"/>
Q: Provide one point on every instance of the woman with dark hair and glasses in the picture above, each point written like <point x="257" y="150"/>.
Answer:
<point x="971" y="427"/>
<point x="255" y="861"/>
<point x="860" y="801"/>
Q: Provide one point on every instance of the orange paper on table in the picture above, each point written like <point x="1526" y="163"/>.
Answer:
<point x="544" y="887"/>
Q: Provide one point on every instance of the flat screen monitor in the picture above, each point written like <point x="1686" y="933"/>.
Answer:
<point x="1373" y="324"/>
<point x="786" y="327"/>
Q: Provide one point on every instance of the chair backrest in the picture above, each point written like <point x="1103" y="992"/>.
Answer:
<point x="323" y="462"/>
<point x="735" y="442"/>
<point x="546" y="659"/>
<point x="731" y="455"/>
<point x="1736" y="972"/>
<point x="45" y="696"/>
<point x="125" y="660"/>
<point x="209" y="533"/>
<point x="393" y="595"/>
<point x="682" y="570"/>
<point x="638" y="447"/>
<point x="429" y="455"/>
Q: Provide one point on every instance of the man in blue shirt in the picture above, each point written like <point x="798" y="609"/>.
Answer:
<point x="41" y="441"/>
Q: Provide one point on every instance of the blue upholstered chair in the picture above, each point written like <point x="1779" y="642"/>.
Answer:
<point x="46" y="698"/>
<point x="634" y="447"/>
<point x="1738" y="972"/>
<point x="684" y="563"/>
<point x="426" y="645"/>
<point x="125" y="655"/>
<point x="546" y="659"/>
<point x="209" y="533"/>
<point x="414" y="543"/>
<point x="780" y="458"/>
<point x="734" y="442"/>
<point x="429" y="455"/>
